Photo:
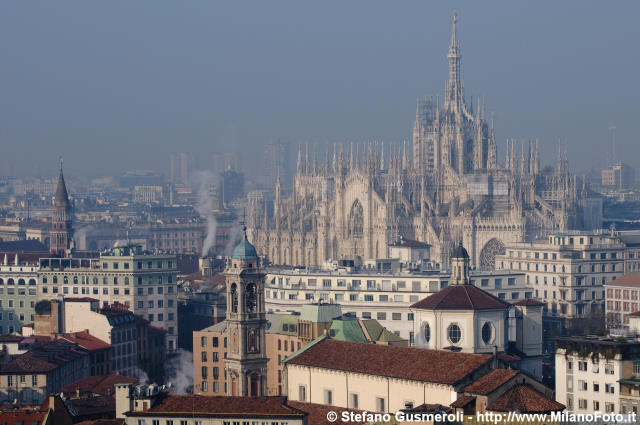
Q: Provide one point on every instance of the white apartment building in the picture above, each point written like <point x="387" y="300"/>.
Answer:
<point x="384" y="296"/>
<point x="567" y="271"/>
<point x="598" y="374"/>
<point x="142" y="281"/>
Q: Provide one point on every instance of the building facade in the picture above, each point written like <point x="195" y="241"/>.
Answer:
<point x="598" y="374"/>
<point x="385" y="296"/>
<point x="18" y="294"/>
<point x="568" y="271"/>
<point x="622" y="300"/>
<point x="142" y="281"/>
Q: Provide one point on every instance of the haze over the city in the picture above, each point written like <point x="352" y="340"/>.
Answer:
<point x="119" y="85"/>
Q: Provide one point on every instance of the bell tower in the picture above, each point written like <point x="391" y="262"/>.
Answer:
<point x="246" y="362"/>
<point x="61" y="230"/>
<point x="459" y="266"/>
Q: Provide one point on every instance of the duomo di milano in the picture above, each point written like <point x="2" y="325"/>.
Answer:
<point x="449" y="187"/>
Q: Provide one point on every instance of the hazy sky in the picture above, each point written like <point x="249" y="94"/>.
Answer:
<point x="116" y="85"/>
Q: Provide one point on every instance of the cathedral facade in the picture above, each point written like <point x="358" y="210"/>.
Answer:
<point x="445" y="187"/>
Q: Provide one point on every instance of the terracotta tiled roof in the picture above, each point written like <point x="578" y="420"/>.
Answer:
<point x="220" y="405"/>
<point x="102" y="385"/>
<point x="44" y="358"/>
<point x="491" y="381"/>
<point x="463" y="401"/>
<point x="629" y="279"/>
<point x="431" y="408"/>
<point x="524" y="399"/>
<point x="103" y="422"/>
<point x="461" y="297"/>
<point x="318" y="412"/>
<point x="86" y="341"/>
<point x="415" y="364"/>
<point x="529" y="302"/>
<point x="22" y="417"/>
<point x="637" y="313"/>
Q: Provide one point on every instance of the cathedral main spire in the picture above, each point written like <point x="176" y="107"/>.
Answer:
<point x="454" y="93"/>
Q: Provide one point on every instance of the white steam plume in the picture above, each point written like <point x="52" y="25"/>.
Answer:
<point x="203" y="180"/>
<point x="234" y="237"/>
<point x="179" y="371"/>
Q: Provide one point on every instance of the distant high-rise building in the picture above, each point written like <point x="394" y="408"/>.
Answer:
<point x="61" y="232"/>
<point x="225" y="161"/>
<point x="231" y="186"/>
<point x="277" y="160"/>
<point x="618" y="176"/>
<point x="180" y="166"/>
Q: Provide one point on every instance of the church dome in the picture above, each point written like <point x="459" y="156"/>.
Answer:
<point x="459" y="252"/>
<point x="244" y="250"/>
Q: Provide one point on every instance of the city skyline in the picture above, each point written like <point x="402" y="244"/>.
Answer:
<point x="143" y="91"/>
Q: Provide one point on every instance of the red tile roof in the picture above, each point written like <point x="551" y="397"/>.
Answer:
<point x="102" y="385"/>
<point x="104" y="422"/>
<point x="461" y="297"/>
<point x="463" y="401"/>
<point x="86" y="341"/>
<point x="415" y="364"/>
<point x="23" y="416"/>
<point x="491" y="381"/>
<point x="637" y="313"/>
<point x="629" y="279"/>
<point x="220" y="405"/>
<point x="44" y="358"/>
<point x="524" y="399"/>
<point x="529" y="302"/>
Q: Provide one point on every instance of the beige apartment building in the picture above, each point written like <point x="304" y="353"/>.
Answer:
<point x="142" y="281"/>
<point x="623" y="299"/>
<point x="598" y="374"/>
<point x="386" y="295"/>
<point x="567" y="272"/>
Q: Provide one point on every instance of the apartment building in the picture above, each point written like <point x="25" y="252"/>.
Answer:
<point x="623" y="299"/>
<point x="31" y="376"/>
<point x="598" y="374"/>
<point x="285" y="334"/>
<point x="384" y="295"/>
<point x="18" y="293"/>
<point x="142" y="281"/>
<point x="567" y="272"/>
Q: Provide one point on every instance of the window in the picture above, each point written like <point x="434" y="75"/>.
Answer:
<point x="204" y="356"/>
<point x="34" y="380"/>
<point x="455" y="334"/>
<point x="204" y="372"/>
<point x="596" y="387"/>
<point x="396" y="316"/>
<point x="214" y="341"/>
<point x="596" y="405"/>
<point x="427" y="332"/>
<point x="354" y="401"/>
<point x="302" y="393"/>
<point x="608" y="369"/>
<point x="381" y="315"/>
<point x="380" y="404"/>
<point x="328" y="397"/>
<point x="582" y="403"/>
<point x="487" y="333"/>
<point x="216" y="373"/>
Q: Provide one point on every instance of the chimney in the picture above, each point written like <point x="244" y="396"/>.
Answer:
<point x="495" y="357"/>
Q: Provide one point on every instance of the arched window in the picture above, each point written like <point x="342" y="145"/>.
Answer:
<point x="21" y="282"/>
<point x="250" y="298"/>
<point x="455" y="334"/>
<point x="32" y="282"/>
<point x="356" y="220"/>
<point x="234" y="298"/>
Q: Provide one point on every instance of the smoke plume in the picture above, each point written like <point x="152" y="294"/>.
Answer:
<point x="204" y="180"/>
<point x="179" y="371"/>
<point x="234" y="237"/>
